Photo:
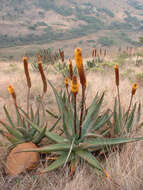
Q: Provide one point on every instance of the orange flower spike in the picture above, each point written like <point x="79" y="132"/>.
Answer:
<point x="42" y="76"/>
<point x="79" y="65"/>
<point x="134" y="88"/>
<point x="12" y="92"/>
<point x="74" y="85"/>
<point x="66" y="82"/>
<point x="70" y="69"/>
<point x="25" y="62"/>
<point x="116" y="74"/>
<point x="38" y="56"/>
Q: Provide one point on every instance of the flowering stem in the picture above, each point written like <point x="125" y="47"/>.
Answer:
<point x="82" y="109"/>
<point x="129" y="108"/>
<point x="68" y="94"/>
<point x="118" y="97"/>
<point x="75" y="114"/>
<point x="28" y="99"/>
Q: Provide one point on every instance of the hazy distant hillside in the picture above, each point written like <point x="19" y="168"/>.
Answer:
<point x="42" y="21"/>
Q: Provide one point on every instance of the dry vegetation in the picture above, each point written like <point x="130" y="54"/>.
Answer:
<point x="124" y="167"/>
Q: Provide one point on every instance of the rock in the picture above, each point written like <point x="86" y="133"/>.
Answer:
<point x="19" y="162"/>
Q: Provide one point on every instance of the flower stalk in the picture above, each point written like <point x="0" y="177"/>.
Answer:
<point x="134" y="88"/>
<point x="80" y="68"/>
<point x="13" y="94"/>
<point x="25" y="62"/>
<point x="74" y="90"/>
<point x="116" y="67"/>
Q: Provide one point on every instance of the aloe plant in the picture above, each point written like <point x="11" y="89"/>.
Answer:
<point x="123" y="122"/>
<point x="71" y="146"/>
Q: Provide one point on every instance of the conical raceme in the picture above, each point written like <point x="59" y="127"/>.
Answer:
<point x="25" y="62"/>
<point x="74" y="85"/>
<point x="38" y="57"/>
<point x="79" y="65"/>
<point x="62" y="55"/>
<point x="42" y="76"/>
<point x="116" y="74"/>
<point x="134" y="88"/>
<point x="66" y="82"/>
<point x="70" y="69"/>
<point x="94" y="53"/>
<point x="105" y="53"/>
<point x="12" y="92"/>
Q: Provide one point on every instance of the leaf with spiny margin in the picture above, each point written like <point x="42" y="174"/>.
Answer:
<point x="88" y="157"/>
<point x="92" y="115"/>
<point x="116" y="121"/>
<point x="139" y="113"/>
<point x="38" y="139"/>
<point x="31" y="114"/>
<point x="59" y="162"/>
<point x="12" y="131"/>
<point x="24" y="132"/>
<point x="101" y="121"/>
<point x="52" y="136"/>
<point x="52" y="114"/>
<point x="130" y="120"/>
<point x="50" y="148"/>
<point x="8" y="117"/>
<point x="106" y="141"/>
<point x="54" y="125"/>
<point x="10" y="138"/>
<point x="64" y="110"/>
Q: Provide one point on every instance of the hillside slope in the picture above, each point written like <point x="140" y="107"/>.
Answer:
<point x="42" y="21"/>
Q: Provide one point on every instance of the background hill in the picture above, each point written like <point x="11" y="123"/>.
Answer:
<point x="92" y="22"/>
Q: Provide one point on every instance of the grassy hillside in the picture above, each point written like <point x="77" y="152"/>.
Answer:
<point x="44" y="21"/>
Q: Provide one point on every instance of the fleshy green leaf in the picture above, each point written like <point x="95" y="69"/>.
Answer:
<point x="130" y="120"/>
<point x="50" y="148"/>
<point x="92" y="114"/>
<point x="8" y="117"/>
<point x="88" y="157"/>
<point x="105" y="141"/>
<point x="59" y="162"/>
<point x="12" y="131"/>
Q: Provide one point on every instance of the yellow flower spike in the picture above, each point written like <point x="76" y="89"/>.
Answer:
<point x="38" y="57"/>
<point x="74" y="85"/>
<point x="66" y="82"/>
<point x="116" y="74"/>
<point x="11" y="91"/>
<point x="134" y="88"/>
<point x="79" y="65"/>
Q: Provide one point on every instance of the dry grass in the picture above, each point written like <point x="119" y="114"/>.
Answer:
<point x="125" y="167"/>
